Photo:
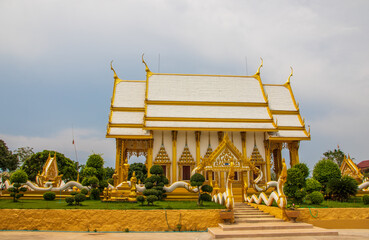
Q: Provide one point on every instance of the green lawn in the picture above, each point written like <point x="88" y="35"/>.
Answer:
<point x="90" y="204"/>
<point x="354" y="202"/>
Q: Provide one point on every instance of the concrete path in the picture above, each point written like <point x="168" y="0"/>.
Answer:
<point x="346" y="234"/>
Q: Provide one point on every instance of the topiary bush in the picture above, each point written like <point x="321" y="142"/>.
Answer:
<point x="79" y="198"/>
<point x="151" y="199"/>
<point x="140" y="199"/>
<point x="17" y="178"/>
<point x="155" y="184"/>
<point x="324" y="171"/>
<point x="316" y="197"/>
<point x="49" y="196"/>
<point x="95" y="194"/>
<point x="366" y="199"/>
<point x="84" y="191"/>
<point x="296" y="182"/>
<point x="205" y="197"/>
<point x="341" y="189"/>
<point x="69" y="200"/>
<point x="312" y="185"/>
<point x="197" y="180"/>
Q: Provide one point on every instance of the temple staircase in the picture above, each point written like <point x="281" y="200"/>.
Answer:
<point x="253" y="223"/>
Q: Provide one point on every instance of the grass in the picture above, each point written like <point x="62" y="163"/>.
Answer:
<point x="92" y="204"/>
<point x="353" y="202"/>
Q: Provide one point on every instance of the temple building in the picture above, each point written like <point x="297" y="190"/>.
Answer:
<point x="193" y="122"/>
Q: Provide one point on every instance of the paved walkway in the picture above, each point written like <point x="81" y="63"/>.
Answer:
<point x="25" y="235"/>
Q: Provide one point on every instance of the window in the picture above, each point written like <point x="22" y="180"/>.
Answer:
<point x="186" y="172"/>
<point x="164" y="169"/>
<point x="236" y="176"/>
<point x="207" y="176"/>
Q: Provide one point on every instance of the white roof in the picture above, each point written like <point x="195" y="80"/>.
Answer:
<point x="204" y="102"/>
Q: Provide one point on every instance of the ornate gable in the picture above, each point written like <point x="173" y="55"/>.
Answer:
<point x="186" y="157"/>
<point x="348" y="167"/>
<point x="225" y="154"/>
<point x="256" y="157"/>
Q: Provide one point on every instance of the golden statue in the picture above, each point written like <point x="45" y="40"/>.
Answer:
<point x="133" y="193"/>
<point x="115" y="178"/>
<point x="49" y="173"/>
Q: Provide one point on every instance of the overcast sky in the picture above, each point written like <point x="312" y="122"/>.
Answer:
<point x="55" y="55"/>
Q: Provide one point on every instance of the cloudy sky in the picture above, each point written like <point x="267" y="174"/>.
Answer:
<point x="55" y="55"/>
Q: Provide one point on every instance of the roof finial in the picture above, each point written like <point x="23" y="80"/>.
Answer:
<point x="143" y="61"/>
<point x="258" y="72"/>
<point x="288" y="80"/>
<point x="111" y="66"/>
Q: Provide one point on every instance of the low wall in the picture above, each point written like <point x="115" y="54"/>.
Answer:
<point x="107" y="220"/>
<point x="333" y="218"/>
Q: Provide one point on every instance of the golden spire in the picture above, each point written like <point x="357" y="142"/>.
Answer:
<point x="288" y="80"/>
<point x="111" y="67"/>
<point x="143" y="61"/>
<point x="258" y="72"/>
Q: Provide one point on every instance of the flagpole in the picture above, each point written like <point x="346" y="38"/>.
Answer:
<point x="75" y="151"/>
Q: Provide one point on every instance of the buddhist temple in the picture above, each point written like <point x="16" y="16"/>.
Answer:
<point x="202" y="123"/>
<point x="348" y="167"/>
<point x="50" y="173"/>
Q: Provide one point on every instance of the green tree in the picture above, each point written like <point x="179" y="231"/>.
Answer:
<point x="336" y="156"/>
<point x="324" y="171"/>
<point x="8" y="161"/>
<point x="23" y="153"/>
<point x="155" y="184"/>
<point x="94" y="175"/>
<point x="17" y="179"/>
<point x="140" y="170"/>
<point x="35" y="163"/>
<point x="296" y="182"/>
<point x="342" y="188"/>
<point x="197" y="180"/>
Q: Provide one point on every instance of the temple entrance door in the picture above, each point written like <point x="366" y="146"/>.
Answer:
<point x="186" y="172"/>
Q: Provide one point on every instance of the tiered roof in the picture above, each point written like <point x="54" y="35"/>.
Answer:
<point x="203" y="102"/>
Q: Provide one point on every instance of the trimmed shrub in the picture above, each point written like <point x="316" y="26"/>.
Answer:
<point x="207" y="188"/>
<point x="69" y="200"/>
<point x="17" y="178"/>
<point x="151" y="199"/>
<point x="95" y="194"/>
<point x="79" y="198"/>
<point x="157" y="170"/>
<point x="49" y="196"/>
<point x="197" y="180"/>
<point x="316" y="197"/>
<point x="295" y="185"/>
<point x="366" y="199"/>
<point x="312" y="185"/>
<point x="341" y="189"/>
<point x="205" y="197"/>
<point x="84" y="191"/>
<point x="324" y="171"/>
<point x="140" y="199"/>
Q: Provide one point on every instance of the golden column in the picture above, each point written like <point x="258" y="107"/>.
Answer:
<point x="277" y="158"/>
<point x="118" y="144"/>
<point x="294" y="152"/>
<point x="222" y="174"/>
<point x="149" y="156"/>
<point x="267" y="158"/>
<point x="174" y="156"/>
<point x="244" y="154"/>
<point x="197" y="136"/>
<point x="122" y="157"/>
<point x="244" y="150"/>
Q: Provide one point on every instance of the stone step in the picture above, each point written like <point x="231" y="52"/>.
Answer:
<point x="246" y="210"/>
<point x="252" y="216"/>
<point x="219" y="233"/>
<point x="249" y="213"/>
<point x="257" y="220"/>
<point x="264" y="226"/>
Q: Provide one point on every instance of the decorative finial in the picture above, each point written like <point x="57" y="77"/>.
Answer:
<point x="143" y="61"/>
<point x="162" y="138"/>
<point x="111" y="67"/>
<point x="186" y="138"/>
<point x="258" y="72"/>
<point x="309" y="129"/>
<point x="288" y="80"/>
